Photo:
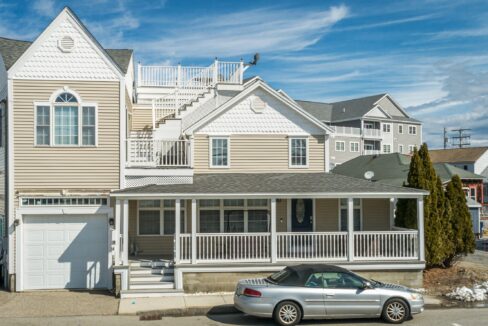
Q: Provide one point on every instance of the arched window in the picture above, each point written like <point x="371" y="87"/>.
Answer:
<point x="66" y="121"/>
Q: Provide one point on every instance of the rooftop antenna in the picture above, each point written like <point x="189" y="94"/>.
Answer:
<point x="462" y="139"/>
<point x="446" y="138"/>
<point x="255" y="60"/>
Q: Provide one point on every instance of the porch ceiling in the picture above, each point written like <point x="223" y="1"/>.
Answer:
<point x="281" y="185"/>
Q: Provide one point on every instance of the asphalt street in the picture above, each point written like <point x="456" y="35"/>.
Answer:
<point x="449" y="317"/>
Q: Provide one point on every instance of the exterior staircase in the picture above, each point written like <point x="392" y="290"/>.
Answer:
<point x="150" y="278"/>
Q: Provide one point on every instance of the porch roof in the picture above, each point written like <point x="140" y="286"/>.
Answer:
<point x="307" y="185"/>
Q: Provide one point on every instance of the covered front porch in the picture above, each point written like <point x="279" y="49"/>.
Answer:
<point x="202" y="229"/>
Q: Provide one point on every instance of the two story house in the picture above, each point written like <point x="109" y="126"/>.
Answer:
<point x="364" y="126"/>
<point x="154" y="180"/>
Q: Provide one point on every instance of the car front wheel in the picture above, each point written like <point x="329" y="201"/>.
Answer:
<point x="287" y="313"/>
<point x="395" y="311"/>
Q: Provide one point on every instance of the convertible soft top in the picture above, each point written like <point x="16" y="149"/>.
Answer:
<point x="299" y="274"/>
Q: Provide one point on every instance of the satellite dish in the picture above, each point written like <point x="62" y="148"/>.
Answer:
<point x="368" y="175"/>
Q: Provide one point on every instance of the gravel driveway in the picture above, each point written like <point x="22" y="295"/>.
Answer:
<point x="57" y="303"/>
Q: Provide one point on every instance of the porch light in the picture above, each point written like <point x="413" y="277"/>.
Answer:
<point x="111" y="222"/>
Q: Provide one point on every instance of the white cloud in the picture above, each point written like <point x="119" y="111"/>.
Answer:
<point x="44" y="7"/>
<point x="234" y="34"/>
<point x="388" y="23"/>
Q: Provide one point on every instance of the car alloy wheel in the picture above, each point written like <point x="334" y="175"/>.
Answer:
<point x="288" y="314"/>
<point x="396" y="311"/>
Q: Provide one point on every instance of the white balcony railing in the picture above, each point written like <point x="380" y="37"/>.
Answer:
<point x="347" y="131"/>
<point x="174" y="76"/>
<point x="158" y="153"/>
<point x="387" y="245"/>
<point x="372" y="152"/>
<point x="372" y="133"/>
<point x="312" y="246"/>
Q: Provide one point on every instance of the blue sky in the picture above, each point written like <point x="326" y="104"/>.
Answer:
<point x="430" y="55"/>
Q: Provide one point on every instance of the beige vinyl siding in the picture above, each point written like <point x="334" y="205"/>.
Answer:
<point x="141" y="118"/>
<point x="327" y="215"/>
<point x="376" y="214"/>
<point x="258" y="154"/>
<point x="80" y="168"/>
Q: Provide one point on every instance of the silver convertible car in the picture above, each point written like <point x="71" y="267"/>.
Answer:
<point x="324" y="291"/>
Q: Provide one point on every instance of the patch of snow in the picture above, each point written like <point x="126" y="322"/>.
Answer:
<point x="479" y="292"/>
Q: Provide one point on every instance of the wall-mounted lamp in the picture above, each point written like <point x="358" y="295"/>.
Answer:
<point x="16" y="222"/>
<point x="111" y="222"/>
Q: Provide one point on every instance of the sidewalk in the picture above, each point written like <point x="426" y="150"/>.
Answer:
<point x="200" y="304"/>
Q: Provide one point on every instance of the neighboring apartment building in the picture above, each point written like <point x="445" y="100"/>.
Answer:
<point x="474" y="159"/>
<point x="369" y="125"/>
<point x="190" y="180"/>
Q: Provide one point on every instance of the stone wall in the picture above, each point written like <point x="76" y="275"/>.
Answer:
<point x="226" y="282"/>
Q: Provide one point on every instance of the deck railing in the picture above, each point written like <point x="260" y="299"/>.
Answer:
<point x="347" y="131"/>
<point x="371" y="133"/>
<point x="158" y="153"/>
<point x="387" y="245"/>
<point x="312" y="246"/>
<point x="372" y="152"/>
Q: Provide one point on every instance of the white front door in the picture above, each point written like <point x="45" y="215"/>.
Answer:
<point x="65" y="251"/>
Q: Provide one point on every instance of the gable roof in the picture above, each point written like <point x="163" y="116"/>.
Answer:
<point x="249" y="87"/>
<point x="346" y="110"/>
<point x="457" y="155"/>
<point x="393" y="169"/>
<point x="12" y="50"/>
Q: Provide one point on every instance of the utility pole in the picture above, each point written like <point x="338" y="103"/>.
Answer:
<point x="462" y="139"/>
<point x="446" y="138"/>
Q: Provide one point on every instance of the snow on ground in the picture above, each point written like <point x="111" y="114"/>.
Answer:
<point x="479" y="292"/>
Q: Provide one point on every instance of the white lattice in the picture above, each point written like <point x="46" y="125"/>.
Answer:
<point x="138" y="181"/>
<point x="82" y="62"/>
<point x="275" y="118"/>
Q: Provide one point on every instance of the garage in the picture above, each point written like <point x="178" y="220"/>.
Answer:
<point x="65" y="252"/>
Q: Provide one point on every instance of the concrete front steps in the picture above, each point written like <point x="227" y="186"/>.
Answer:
<point x="150" y="278"/>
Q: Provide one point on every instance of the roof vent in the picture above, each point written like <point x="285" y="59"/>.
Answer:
<point x="257" y="104"/>
<point x="343" y="110"/>
<point x="66" y="43"/>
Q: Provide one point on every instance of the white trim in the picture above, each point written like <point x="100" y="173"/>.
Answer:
<point x="394" y="102"/>
<point x="123" y="128"/>
<point x="10" y="175"/>
<point x="400" y="148"/>
<point x="290" y="164"/>
<point x="418" y="194"/>
<point x="360" y="206"/>
<point x="162" y="216"/>
<point x="402" y="128"/>
<point x="383" y="125"/>
<point x="351" y="149"/>
<point x="65" y="14"/>
<point x="210" y="146"/>
<point x="415" y="128"/>
<point x="338" y="142"/>
<point x="327" y="153"/>
<point x="158" y="172"/>
<point x="259" y="84"/>
<point x="376" y="106"/>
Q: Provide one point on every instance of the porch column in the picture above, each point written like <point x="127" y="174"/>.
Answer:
<point x="177" y="230"/>
<point x="350" y="228"/>
<point x="274" y="238"/>
<point x="393" y="202"/>
<point x="420" y="227"/>
<point x="125" y="216"/>
<point x="117" y="230"/>
<point x="193" y="231"/>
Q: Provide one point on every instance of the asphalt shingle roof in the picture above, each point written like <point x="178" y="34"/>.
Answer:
<point x="457" y="155"/>
<point x="11" y="50"/>
<point x="345" y="110"/>
<point x="271" y="183"/>
<point x="393" y="169"/>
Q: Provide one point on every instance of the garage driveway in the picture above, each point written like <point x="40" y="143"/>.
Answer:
<point x="57" y="303"/>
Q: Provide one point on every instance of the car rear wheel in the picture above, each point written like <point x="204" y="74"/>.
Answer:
<point x="288" y="313"/>
<point x="395" y="311"/>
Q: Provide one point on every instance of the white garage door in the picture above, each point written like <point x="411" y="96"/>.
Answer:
<point x="65" y="251"/>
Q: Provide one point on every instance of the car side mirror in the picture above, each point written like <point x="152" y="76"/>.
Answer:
<point x="367" y="285"/>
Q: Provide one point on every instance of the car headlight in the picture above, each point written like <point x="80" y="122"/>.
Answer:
<point x="415" y="296"/>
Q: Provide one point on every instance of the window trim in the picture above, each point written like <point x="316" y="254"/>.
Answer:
<point x="350" y="148"/>
<point x="414" y="128"/>
<point x="161" y="210"/>
<point x="221" y="208"/>
<point x="410" y="151"/>
<point x="210" y="146"/>
<point x="400" y="126"/>
<point x="290" y="163"/>
<point x="400" y="148"/>
<point x="52" y="105"/>
<point x="339" y="141"/>
<point x="383" y="125"/>
<point x="383" y="148"/>
<point x="360" y="206"/>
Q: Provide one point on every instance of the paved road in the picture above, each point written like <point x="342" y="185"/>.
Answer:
<point x="451" y="317"/>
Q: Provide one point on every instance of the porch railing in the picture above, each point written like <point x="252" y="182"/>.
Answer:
<point x="227" y="247"/>
<point x="312" y="246"/>
<point x="372" y="152"/>
<point x="372" y="133"/>
<point x="158" y="153"/>
<point x="386" y="245"/>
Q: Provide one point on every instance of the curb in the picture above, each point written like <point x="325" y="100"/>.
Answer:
<point x="188" y="312"/>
